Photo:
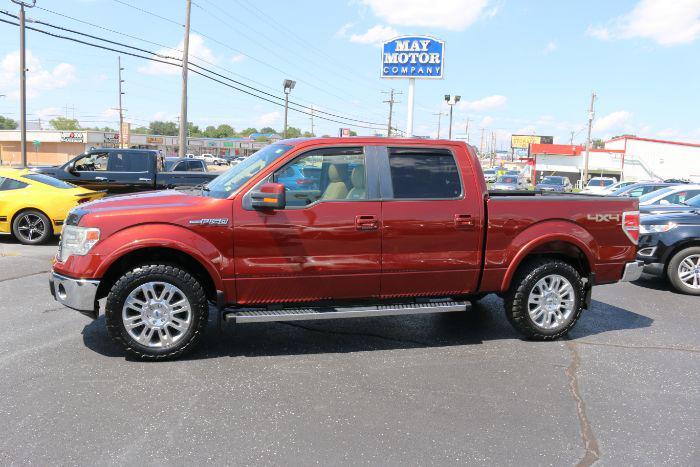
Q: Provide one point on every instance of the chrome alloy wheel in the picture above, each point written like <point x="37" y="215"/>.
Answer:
<point x="551" y="302"/>
<point x="156" y="314"/>
<point x="31" y="227"/>
<point x="689" y="271"/>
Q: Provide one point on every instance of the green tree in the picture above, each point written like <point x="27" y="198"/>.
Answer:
<point x="193" y="130"/>
<point x="141" y="130"/>
<point x="353" y="133"/>
<point x="163" y="128"/>
<point x="267" y="129"/>
<point x="65" y="124"/>
<point x="7" y="123"/>
<point x="293" y="132"/>
<point x="248" y="131"/>
<point x="597" y="144"/>
<point x="106" y="129"/>
<point x="225" y="131"/>
<point x="307" y="134"/>
<point x="262" y="139"/>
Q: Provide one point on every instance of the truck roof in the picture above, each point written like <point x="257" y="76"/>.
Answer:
<point x="378" y="140"/>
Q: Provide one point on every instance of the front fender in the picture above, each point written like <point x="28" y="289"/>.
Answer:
<point x="160" y="236"/>
<point x="546" y="232"/>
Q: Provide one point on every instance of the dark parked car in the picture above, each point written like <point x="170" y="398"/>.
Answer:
<point x="669" y="244"/>
<point x="123" y="171"/>
<point x="183" y="164"/>
<point x="555" y="183"/>
<point x="691" y="204"/>
<point x="639" y="189"/>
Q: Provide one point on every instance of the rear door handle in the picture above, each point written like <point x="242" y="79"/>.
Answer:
<point x="366" y="223"/>
<point x="144" y="179"/>
<point x="464" y="221"/>
<point x="101" y="179"/>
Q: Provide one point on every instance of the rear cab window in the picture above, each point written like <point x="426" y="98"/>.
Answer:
<point x="424" y="173"/>
<point x="129" y="161"/>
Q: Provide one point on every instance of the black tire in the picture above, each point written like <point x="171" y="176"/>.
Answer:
<point x="476" y="297"/>
<point x="169" y="274"/>
<point x="674" y="275"/>
<point x="516" y="299"/>
<point x="24" y="232"/>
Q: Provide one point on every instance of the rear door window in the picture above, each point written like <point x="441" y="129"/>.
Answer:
<point x="424" y="173"/>
<point x="195" y="166"/>
<point x="128" y="162"/>
<point x="7" y="184"/>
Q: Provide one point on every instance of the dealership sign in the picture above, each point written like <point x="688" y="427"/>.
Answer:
<point x="524" y="141"/>
<point x="72" y="137"/>
<point x="413" y="57"/>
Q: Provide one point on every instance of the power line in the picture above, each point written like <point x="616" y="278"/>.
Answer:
<point x="193" y="71"/>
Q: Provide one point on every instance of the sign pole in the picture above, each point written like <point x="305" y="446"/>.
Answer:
<point x="411" y="96"/>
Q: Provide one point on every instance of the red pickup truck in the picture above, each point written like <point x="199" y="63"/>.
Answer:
<point x="330" y="228"/>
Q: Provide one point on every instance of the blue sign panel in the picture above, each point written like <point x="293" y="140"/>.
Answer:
<point x="413" y="57"/>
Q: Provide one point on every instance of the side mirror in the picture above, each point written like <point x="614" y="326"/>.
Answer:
<point x="270" y="196"/>
<point x="70" y="168"/>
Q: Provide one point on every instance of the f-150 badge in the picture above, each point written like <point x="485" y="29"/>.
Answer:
<point x="604" y="217"/>
<point x="222" y="221"/>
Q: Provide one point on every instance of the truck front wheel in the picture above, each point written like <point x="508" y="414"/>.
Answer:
<point x="545" y="299"/>
<point x="156" y="311"/>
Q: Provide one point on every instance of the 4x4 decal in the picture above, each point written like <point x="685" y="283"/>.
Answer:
<point x="604" y="217"/>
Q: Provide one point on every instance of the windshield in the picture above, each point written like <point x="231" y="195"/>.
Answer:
<point x="225" y="184"/>
<point x="507" y="179"/>
<point x="552" y="181"/>
<point x="654" y="194"/>
<point x="46" y="180"/>
<point x="601" y="182"/>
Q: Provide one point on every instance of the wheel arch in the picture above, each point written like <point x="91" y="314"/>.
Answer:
<point x="572" y="244"/>
<point x="678" y="247"/>
<point x="156" y="255"/>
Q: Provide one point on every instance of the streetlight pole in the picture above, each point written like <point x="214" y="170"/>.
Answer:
<point x="121" y="110"/>
<point x="451" y="101"/>
<point x="182" y="133"/>
<point x="23" y="81"/>
<point x="439" y="116"/>
<point x="591" y="115"/>
<point x="288" y="85"/>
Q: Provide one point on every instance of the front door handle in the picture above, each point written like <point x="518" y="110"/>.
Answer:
<point x="101" y="179"/>
<point x="366" y="223"/>
<point x="142" y="179"/>
<point x="464" y="221"/>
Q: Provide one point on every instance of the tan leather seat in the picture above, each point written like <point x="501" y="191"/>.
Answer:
<point x="336" y="188"/>
<point x="358" y="183"/>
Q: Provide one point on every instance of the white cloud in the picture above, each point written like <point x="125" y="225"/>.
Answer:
<point x="665" y="22"/>
<point x="526" y="130"/>
<point x="375" y="35"/>
<point x="165" y="116"/>
<point x="238" y="58"/>
<point x="550" y="47"/>
<point x="343" y="30"/>
<point x="197" y="51"/>
<point x="486" y="103"/>
<point x="39" y="79"/>
<point x="613" y="121"/>
<point x="268" y="119"/>
<point x="455" y="15"/>
<point x="110" y="113"/>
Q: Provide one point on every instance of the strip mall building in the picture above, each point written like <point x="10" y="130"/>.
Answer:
<point x="50" y="147"/>
<point x="625" y="158"/>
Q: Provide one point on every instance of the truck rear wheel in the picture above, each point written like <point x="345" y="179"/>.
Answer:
<point x="156" y="311"/>
<point x="545" y="299"/>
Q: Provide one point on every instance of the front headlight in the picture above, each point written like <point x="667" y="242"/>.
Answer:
<point x="656" y="228"/>
<point x="77" y="241"/>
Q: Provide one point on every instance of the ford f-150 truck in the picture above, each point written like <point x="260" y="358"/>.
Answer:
<point x="124" y="171"/>
<point x="367" y="227"/>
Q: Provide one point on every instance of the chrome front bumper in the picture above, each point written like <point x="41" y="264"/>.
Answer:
<point x="78" y="294"/>
<point x="633" y="271"/>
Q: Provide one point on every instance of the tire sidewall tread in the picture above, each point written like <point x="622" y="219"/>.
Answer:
<point x="156" y="272"/>
<point x="672" y="270"/>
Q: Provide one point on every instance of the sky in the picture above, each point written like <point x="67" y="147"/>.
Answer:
<point x="520" y="67"/>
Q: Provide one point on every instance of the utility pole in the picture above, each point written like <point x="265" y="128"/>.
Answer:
<point x="439" y="116"/>
<point x="572" y="137"/>
<point x="391" y="101"/>
<point x="481" y="145"/>
<point x="312" y="120"/>
<point x="591" y="115"/>
<point x="121" y="110"/>
<point x="467" y="130"/>
<point x="182" y="139"/>
<point x="23" y="81"/>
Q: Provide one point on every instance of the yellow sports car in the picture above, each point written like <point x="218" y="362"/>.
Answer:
<point x="33" y="206"/>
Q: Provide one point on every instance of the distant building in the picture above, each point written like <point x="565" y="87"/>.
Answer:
<point x="625" y="158"/>
<point x="51" y="147"/>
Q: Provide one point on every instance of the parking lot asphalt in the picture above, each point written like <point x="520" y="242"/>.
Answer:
<point x="427" y="389"/>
